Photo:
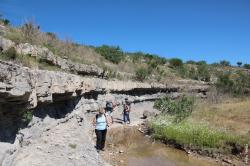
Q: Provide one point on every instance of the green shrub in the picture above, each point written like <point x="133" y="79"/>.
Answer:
<point x="236" y="84"/>
<point x="246" y="66"/>
<point x="175" y="63"/>
<point x="180" y="109"/>
<point x="73" y="146"/>
<point x="111" y="53"/>
<point x="9" y="54"/>
<point x="224" y="82"/>
<point x="201" y="63"/>
<point x="203" y="73"/>
<point x="5" y="21"/>
<point x="27" y="117"/>
<point x="225" y="63"/>
<point x="141" y="74"/>
<point x="241" y="84"/>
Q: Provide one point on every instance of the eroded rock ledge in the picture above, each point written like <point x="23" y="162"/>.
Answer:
<point x="20" y="85"/>
<point x="46" y="55"/>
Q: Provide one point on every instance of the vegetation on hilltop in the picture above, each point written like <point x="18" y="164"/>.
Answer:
<point x="125" y="65"/>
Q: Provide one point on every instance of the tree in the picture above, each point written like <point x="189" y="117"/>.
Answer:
<point x="224" y="63"/>
<point x="6" y="21"/>
<point x="201" y="63"/>
<point x="239" y="64"/>
<point x="175" y="62"/>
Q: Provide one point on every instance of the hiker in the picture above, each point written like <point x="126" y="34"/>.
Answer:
<point x="110" y="108"/>
<point x="126" y="111"/>
<point x="101" y="122"/>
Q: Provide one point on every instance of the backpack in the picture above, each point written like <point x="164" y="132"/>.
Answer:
<point x="109" y="105"/>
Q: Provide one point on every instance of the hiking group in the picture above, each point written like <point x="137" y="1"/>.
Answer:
<point x="104" y="119"/>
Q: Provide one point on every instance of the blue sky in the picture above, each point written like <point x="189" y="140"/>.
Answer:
<point x="210" y="30"/>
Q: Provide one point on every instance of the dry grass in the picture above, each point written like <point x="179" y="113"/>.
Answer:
<point x="233" y="114"/>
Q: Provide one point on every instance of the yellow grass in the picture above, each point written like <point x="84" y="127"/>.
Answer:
<point x="231" y="114"/>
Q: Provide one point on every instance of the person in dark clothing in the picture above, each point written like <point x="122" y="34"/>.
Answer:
<point x="110" y="108"/>
<point x="126" y="111"/>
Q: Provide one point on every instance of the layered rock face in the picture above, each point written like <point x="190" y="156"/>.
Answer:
<point x="44" y="54"/>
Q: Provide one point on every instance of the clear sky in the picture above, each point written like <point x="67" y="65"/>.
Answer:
<point x="210" y="30"/>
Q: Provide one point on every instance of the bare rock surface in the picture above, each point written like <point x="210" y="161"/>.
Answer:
<point x="57" y="135"/>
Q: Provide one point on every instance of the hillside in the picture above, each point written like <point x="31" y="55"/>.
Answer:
<point x="50" y="90"/>
<point x="111" y="59"/>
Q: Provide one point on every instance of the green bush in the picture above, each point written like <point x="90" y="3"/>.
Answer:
<point x="5" y="21"/>
<point x="201" y="63"/>
<point x="9" y="54"/>
<point x="148" y="58"/>
<point x="225" y="63"/>
<point x="111" y="53"/>
<point x="246" y="66"/>
<point x="27" y="117"/>
<point x="224" y="82"/>
<point x="73" y="146"/>
<point x="180" y="109"/>
<point x="241" y="84"/>
<point x="203" y="73"/>
<point x="141" y="74"/>
<point x="236" y="84"/>
<point x="175" y="63"/>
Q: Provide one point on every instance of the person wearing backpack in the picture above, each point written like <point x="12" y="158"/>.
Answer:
<point x="126" y="111"/>
<point x="110" y="108"/>
<point x="101" y="122"/>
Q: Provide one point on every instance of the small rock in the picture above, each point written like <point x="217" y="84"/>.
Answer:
<point x="121" y="151"/>
<point x="121" y="161"/>
<point x="227" y="161"/>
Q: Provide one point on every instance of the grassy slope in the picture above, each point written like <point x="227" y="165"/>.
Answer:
<point x="233" y="114"/>
<point x="216" y="126"/>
